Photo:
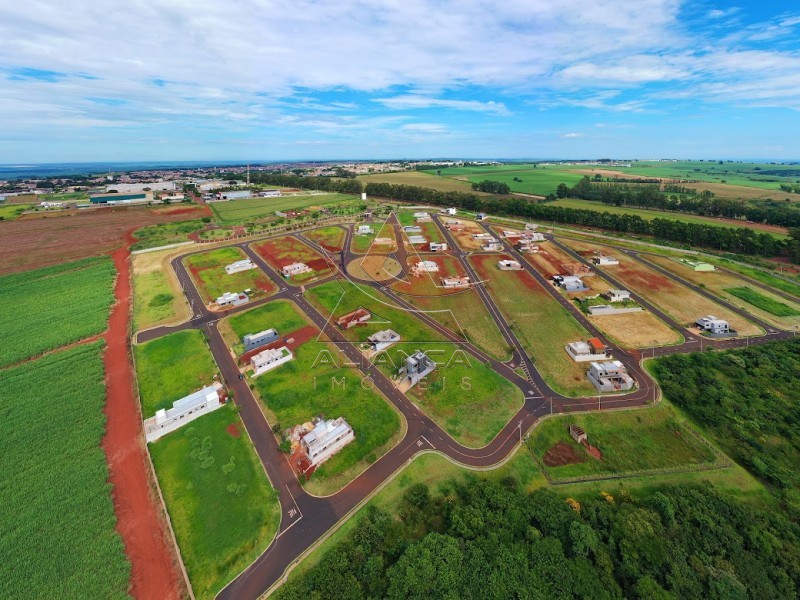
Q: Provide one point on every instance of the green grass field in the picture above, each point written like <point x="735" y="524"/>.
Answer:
<point x="330" y="238"/>
<point x="208" y="271"/>
<point x="280" y="314"/>
<point x="649" y="215"/>
<point x="239" y="211"/>
<point x="420" y="179"/>
<point x="630" y="442"/>
<point x="219" y="499"/>
<point x="215" y="234"/>
<point x="745" y="174"/>
<point x="540" y="323"/>
<point x="9" y="212"/>
<point x="54" y="306"/>
<point x="155" y="301"/>
<point x="778" y="283"/>
<point x="164" y="234"/>
<point x="763" y="302"/>
<point x="171" y="367"/>
<point x="364" y="243"/>
<point x="429" y="229"/>
<point x="540" y="180"/>
<point x="58" y="524"/>
<point x="300" y="390"/>
<point x="469" y="400"/>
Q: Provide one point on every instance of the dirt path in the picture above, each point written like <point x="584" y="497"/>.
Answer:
<point x="154" y="570"/>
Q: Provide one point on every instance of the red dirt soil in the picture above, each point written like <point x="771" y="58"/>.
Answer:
<point x="154" y="569"/>
<point x="233" y="430"/>
<point x="562" y="454"/>
<point x="298" y="337"/>
<point x="30" y="243"/>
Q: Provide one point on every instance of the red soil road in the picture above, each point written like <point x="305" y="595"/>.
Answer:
<point x="154" y="569"/>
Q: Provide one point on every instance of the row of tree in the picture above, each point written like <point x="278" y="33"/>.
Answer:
<point x="491" y="187"/>
<point x="685" y="200"/>
<point x="490" y="540"/>
<point x="325" y="184"/>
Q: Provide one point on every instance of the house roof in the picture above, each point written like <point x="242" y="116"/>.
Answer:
<point x="596" y="344"/>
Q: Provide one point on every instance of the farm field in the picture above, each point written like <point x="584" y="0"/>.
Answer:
<point x="285" y="250"/>
<point x="628" y="442"/>
<point x="649" y="215"/>
<point x="164" y="234"/>
<point x="526" y="305"/>
<point x="540" y="180"/>
<point x="208" y="272"/>
<point x="769" y="307"/>
<point x="472" y="418"/>
<point x="28" y="243"/>
<point x="239" y="211"/>
<point x="171" y="367"/>
<point x="158" y="298"/>
<point x="374" y="267"/>
<point x="429" y="284"/>
<point x="779" y="283"/>
<point x="330" y="238"/>
<point x="221" y="505"/>
<point x="58" y="522"/>
<point x="63" y="304"/>
<point x="281" y="315"/>
<point x="420" y="179"/>
<point x="299" y="390"/>
<point x="363" y="244"/>
<point x="637" y="330"/>
<point x="683" y="304"/>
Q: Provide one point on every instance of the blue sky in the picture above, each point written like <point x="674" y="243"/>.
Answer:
<point x="295" y="79"/>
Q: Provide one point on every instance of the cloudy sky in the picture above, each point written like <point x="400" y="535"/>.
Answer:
<point x="268" y="80"/>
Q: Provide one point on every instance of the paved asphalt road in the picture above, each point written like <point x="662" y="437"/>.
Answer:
<point x="305" y="518"/>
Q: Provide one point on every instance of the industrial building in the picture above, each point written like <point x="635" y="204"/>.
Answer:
<point x="252" y="341"/>
<point x="183" y="411"/>
<point x="136" y="188"/>
<point x="233" y="194"/>
<point x="138" y="198"/>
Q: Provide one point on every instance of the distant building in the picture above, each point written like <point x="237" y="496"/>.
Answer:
<point x="269" y="359"/>
<point x="233" y="194"/>
<point x="697" y="265"/>
<point x="453" y="225"/>
<point x="437" y="247"/>
<point x="422" y="216"/>
<point x="427" y="266"/>
<point x="121" y="198"/>
<point x="412" y="229"/>
<point x="605" y="260"/>
<point x="380" y="340"/>
<point x="511" y="234"/>
<point x="232" y="299"/>
<point x="493" y="246"/>
<point x="481" y="217"/>
<point x="570" y="283"/>
<point x="609" y="376"/>
<point x="714" y="326"/>
<point x="450" y="211"/>
<point x="534" y="236"/>
<point x="326" y="439"/>
<point x="364" y="230"/>
<point x="134" y="188"/>
<point x="417" y="239"/>
<point x="617" y="295"/>
<point x="351" y="319"/>
<point x="589" y="350"/>
<point x="240" y="265"/>
<point x="270" y="193"/>
<point x="252" y="341"/>
<point x="183" y="411"/>
<point x="455" y="282"/>
<point x="509" y="265"/>
<point x="417" y="366"/>
<point x="294" y="269"/>
<point x="531" y="226"/>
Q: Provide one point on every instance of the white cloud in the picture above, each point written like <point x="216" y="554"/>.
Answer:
<point x="572" y="135"/>
<point x="411" y="101"/>
<point x="424" y="128"/>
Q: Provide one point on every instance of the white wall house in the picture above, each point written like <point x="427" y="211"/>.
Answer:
<point x="232" y="299"/>
<point x="605" y="260"/>
<point x="380" y="340"/>
<point x="252" y="341"/>
<point x="239" y="265"/>
<point x="437" y="247"/>
<point x="364" y="230"/>
<point x="509" y="265"/>
<point x="427" y="266"/>
<point x="269" y="359"/>
<point x="326" y="439"/>
<point x="609" y="376"/>
<point x="293" y="269"/>
<point x="183" y="411"/>
<point x="590" y="350"/>
<point x="617" y="295"/>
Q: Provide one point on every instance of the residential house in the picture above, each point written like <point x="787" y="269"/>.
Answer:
<point x="698" y="265"/>
<point x="351" y="319"/>
<point x="426" y="266"/>
<point x="269" y="359"/>
<point x="590" y="350"/>
<point x="617" y="295"/>
<point x="239" y="265"/>
<point x="297" y="268"/>
<point x="481" y="217"/>
<point x="509" y="265"/>
<point x="437" y="247"/>
<point x="252" y="341"/>
<point x="380" y="340"/>
<point x="714" y="327"/>
<point x="417" y="239"/>
<point x="450" y="211"/>
<point x="609" y="376"/>
<point x="493" y="246"/>
<point x="183" y="411"/>
<point x="412" y="229"/>
<point x="570" y="283"/>
<point x="232" y="299"/>
<point x="417" y="366"/>
<point x="455" y="282"/>
<point x="603" y="260"/>
<point x="364" y="230"/>
<point x="326" y="439"/>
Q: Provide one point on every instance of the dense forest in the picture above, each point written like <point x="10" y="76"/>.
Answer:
<point x="491" y="187"/>
<point x="483" y="539"/>
<point x="682" y="199"/>
<point x="749" y="401"/>
<point x="742" y="240"/>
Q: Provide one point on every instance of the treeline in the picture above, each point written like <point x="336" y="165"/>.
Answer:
<point x="490" y="540"/>
<point x="791" y="187"/>
<point x="742" y="240"/>
<point x="685" y="200"/>
<point x="325" y="184"/>
<point x="749" y="400"/>
<point x="491" y="187"/>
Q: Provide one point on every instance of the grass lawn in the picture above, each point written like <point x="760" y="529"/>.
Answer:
<point x="163" y="234"/>
<point x="540" y="323"/>
<point x="298" y="391"/>
<point x="362" y="244"/>
<point x="157" y="295"/>
<point x="282" y="315"/>
<point x="208" y="271"/>
<point x="215" y="234"/>
<point x="630" y="442"/>
<point x="763" y="302"/>
<point x="239" y="211"/>
<point x="430" y="230"/>
<point x="330" y="238"/>
<point x="285" y="250"/>
<point x="171" y="367"/>
<point x="682" y="303"/>
<point x="221" y="504"/>
<point x="778" y="283"/>
<point x="58" y="524"/>
<point x="53" y="306"/>
<point x="469" y="400"/>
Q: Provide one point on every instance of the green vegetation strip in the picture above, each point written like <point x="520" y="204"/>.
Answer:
<point x="51" y="307"/>
<point x="164" y="234"/>
<point x="58" y="535"/>
<point x="171" y="367"/>
<point x="763" y="302"/>
<point x="236" y="211"/>
<point x="220" y="502"/>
